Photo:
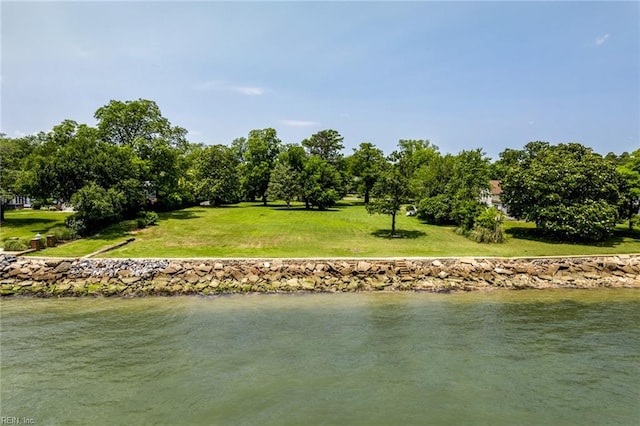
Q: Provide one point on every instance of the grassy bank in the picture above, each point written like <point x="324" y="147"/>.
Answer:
<point x="251" y="230"/>
<point x="25" y="224"/>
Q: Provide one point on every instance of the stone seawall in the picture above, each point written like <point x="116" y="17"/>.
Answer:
<point x="47" y="277"/>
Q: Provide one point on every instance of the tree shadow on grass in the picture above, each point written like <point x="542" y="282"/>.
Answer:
<point x="535" y="234"/>
<point x="284" y="208"/>
<point x="26" y="221"/>
<point x="181" y="214"/>
<point x="36" y="225"/>
<point x="400" y="234"/>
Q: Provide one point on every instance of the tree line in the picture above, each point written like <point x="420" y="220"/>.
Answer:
<point x="134" y="160"/>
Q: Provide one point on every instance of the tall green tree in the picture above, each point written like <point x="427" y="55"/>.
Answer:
<point x="136" y="123"/>
<point x="68" y="158"/>
<point x="216" y="173"/>
<point x="570" y="192"/>
<point x="13" y="152"/>
<point x="141" y="125"/>
<point x="629" y="170"/>
<point x="416" y="161"/>
<point x="326" y="144"/>
<point x="470" y="175"/>
<point x="366" y="163"/>
<point x="284" y="183"/>
<point x="508" y="158"/>
<point x="263" y="147"/>
<point x="320" y="183"/>
<point x="390" y="191"/>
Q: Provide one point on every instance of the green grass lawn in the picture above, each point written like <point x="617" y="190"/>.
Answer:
<point x="251" y="230"/>
<point x="25" y="224"/>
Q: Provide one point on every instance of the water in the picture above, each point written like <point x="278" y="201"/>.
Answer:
<point x="503" y="358"/>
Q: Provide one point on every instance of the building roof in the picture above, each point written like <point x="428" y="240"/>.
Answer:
<point x="495" y="187"/>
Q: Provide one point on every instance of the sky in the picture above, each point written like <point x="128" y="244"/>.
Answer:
<point x="464" y="75"/>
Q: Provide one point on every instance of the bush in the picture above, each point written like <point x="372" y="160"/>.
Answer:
<point x="62" y="233"/>
<point x="488" y="227"/>
<point x="76" y="225"/>
<point x="151" y="218"/>
<point x="465" y="212"/>
<point x="15" y="245"/>
<point x="37" y="204"/>
<point x="588" y="221"/>
<point x="435" y="210"/>
<point x="97" y="207"/>
<point x="145" y="219"/>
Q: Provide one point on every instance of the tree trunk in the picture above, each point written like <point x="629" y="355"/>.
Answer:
<point x="393" y="223"/>
<point x="1" y="212"/>
<point x="264" y="200"/>
<point x="366" y="196"/>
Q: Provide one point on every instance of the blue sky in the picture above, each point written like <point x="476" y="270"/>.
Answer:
<point x="463" y="75"/>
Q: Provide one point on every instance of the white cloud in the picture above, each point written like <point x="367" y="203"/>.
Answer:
<point x="222" y="85"/>
<point x="601" y="39"/>
<point x="249" y="91"/>
<point x="299" y="123"/>
<point x="19" y="134"/>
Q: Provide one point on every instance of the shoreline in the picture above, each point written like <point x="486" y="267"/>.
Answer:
<point x="77" y="277"/>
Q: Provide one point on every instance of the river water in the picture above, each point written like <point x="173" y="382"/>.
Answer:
<point x="502" y="358"/>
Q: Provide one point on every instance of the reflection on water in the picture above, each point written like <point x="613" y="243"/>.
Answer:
<point x="550" y="357"/>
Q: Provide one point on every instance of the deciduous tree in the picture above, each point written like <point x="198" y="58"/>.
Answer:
<point x="569" y="191"/>
<point x="390" y="192"/>
<point x="366" y="163"/>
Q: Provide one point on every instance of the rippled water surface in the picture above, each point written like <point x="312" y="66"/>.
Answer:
<point x="503" y="358"/>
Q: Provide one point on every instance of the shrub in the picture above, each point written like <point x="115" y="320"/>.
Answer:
<point x="435" y="210"/>
<point x="145" y="219"/>
<point x="76" y="225"/>
<point x="488" y="227"/>
<point x="151" y="218"/>
<point x="37" y="204"/>
<point x="97" y="207"/>
<point x="588" y="221"/>
<point x="465" y="212"/>
<point x="15" y="245"/>
<point x="62" y="233"/>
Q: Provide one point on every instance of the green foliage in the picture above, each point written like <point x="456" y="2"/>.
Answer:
<point x="588" y="221"/>
<point x="320" y="183"/>
<point x="570" y="192"/>
<point x="216" y="175"/>
<point x="470" y="175"/>
<point x="325" y="144"/>
<point x="16" y="245"/>
<point x="629" y="170"/>
<point x="146" y="219"/>
<point x="390" y="193"/>
<point x="436" y="210"/>
<point x="62" y="233"/>
<point x="487" y="227"/>
<point x="13" y="153"/>
<point x="284" y="183"/>
<point x="365" y="164"/>
<point x="136" y="123"/>
<point x="464" y="213"/>
<point x="97" y="207"/>
<point x="262" y="149"/>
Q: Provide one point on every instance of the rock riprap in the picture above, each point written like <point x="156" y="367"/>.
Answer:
<point x="138" y="277"/>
